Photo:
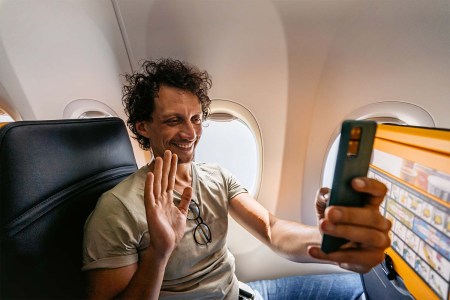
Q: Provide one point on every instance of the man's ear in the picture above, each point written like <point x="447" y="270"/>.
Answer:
<point x="142" y="128"/>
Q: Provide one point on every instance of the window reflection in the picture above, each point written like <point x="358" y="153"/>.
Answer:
<point x="228" y="141"/>
<point x="5" y="117"/>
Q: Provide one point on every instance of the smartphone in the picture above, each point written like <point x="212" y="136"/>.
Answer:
<point x="353" y="158"/>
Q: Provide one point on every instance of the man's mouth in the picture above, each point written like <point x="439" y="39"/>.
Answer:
<point x="184" y="146"/>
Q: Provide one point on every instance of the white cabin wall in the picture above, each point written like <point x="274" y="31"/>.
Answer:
<point x="54" y="52"/>
<point x="310" y="32"/>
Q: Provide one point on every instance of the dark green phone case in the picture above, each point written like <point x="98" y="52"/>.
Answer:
<point x="354" y="153"/>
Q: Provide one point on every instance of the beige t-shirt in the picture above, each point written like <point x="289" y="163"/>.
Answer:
<point x="116" y="233"/>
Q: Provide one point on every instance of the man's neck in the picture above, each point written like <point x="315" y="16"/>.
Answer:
<point x="183" y="178"/>
<point x="184" y="171"/>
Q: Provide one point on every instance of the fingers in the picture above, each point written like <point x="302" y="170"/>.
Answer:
<point x="366" y="236"/>
<point x="149" y="199"/>
<point x="357" y="216"/>
<point x="323" y="192"/>
<point x="360" y="224"/>
<point x="354" y="223"/>
<point x="185" y="200"/>
<point x="370" y="186"/>
<point x="157" y="172"/>
<point x="172" y="173"/>
<point x="322" y="198"/>
<point x="166" y="169"/>
<point x="360" y="260"/>
<point x="364" y="226"/>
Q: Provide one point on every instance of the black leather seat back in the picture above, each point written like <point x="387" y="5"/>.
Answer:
<point x="51" y="175"/>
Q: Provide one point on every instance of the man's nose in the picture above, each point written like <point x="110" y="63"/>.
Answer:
<point x="188" y="130"/>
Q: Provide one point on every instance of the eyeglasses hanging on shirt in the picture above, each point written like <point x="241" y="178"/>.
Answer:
<point x="201" y="232"/>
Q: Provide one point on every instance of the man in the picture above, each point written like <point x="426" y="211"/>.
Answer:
<point x="161" y="232"/>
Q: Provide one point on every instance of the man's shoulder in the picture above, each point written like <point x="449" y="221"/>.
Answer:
<point x="129" y="188"/>
<point x="210" y="169"/>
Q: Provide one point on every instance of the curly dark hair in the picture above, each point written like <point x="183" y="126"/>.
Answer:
<point x="141" y="89"/>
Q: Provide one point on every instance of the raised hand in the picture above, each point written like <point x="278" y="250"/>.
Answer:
<point x="364" y="226"/>
<point x="166" y="222"/>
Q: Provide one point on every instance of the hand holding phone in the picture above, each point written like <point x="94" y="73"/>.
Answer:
<point x="354" y="153"/>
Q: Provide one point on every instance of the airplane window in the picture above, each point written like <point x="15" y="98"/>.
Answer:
<point x="327" y="178"/>
<point x="5" y="117"/>
<point x="229" y="140"/>
<point x="330" y="163"/>
<point x="86" y="109"/>
<point x="94" y="114"/>
<point x="394" y="112"/>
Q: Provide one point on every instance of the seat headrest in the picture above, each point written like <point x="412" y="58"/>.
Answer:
<point x="51" y="175"/>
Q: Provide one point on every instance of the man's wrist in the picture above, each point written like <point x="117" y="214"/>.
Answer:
<point x="156" y="256"/>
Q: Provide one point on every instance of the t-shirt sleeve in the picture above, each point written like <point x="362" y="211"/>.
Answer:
<point x="110" y="236"/>
<point x="234" y="187"/>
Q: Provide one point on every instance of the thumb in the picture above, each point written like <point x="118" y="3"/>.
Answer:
<point x="185" y="200"/>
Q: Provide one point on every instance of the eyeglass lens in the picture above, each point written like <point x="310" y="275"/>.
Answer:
<point x="202" y="233"/>
<point x="194" y="211"/>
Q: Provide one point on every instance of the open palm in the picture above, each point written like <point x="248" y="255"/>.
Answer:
<point x="166" y="222"/>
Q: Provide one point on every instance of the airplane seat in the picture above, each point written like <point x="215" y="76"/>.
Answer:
<point x="51" y="175"/>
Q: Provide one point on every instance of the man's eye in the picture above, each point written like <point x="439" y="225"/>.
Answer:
<point x="197" y="120"/>
<point x="173" y="121"/>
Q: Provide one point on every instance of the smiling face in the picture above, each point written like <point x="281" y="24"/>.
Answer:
<point x="176" y="124"/>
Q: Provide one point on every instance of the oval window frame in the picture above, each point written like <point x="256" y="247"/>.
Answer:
<point x="82" y="108"/>
<point x="396" y="112"/>
<point x="221" y="108"/>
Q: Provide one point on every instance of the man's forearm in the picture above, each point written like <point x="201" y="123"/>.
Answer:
<point x="147" y="280"/>
<point x="291" y="239"/>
